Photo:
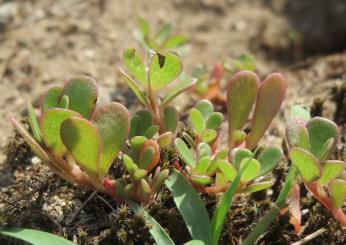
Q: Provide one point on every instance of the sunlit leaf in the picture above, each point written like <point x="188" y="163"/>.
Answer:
<point x="165" y="139"/>
<point x="297" y="135"/>
<point x="268" y="159"/>
<point x="51" y="99"/>
<point x="337" y="190"/>
<point x="227" y="169"/>
<point x="300" y="113"/>
<point x="197" y="120"/>
<point x="185" y="153"/>
<point x="208" y="135"/>
<point x="149" y="155"/>
<point x="203" y="164"/>
<point x="252" y="170"/>
<point x="205" y="107"/>
<point x="201" y="179"/>
<point x="135" y="65"/>
<point x="214" y="121"/>
<point x="258" y="186"/>
<point x="151" y="131"/>
<point x="237" y="155"/>
<point x="330" y="170"/>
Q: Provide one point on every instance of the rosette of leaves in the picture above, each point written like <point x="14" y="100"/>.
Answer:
<point x="214" y="173"/>
<point x="148" y="83"/>
<point x="75" y="138"/>
<point x="205" y="122"/>
<point x="244" y="91"/>
<point x="144" y="177"/>
<point x="311" y="142"/>
<point x="161" y="40"/>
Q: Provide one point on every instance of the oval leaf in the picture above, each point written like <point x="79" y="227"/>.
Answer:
<point x="252" y="170"/>
<point x="51" y="99"/>
<point x="197" y="120"/>
<point x="185" y="153"/>
<point x="135" y="65"/>
<point x="171" y="118"/>
<point x="337" y="189"/>
<point x="268" y="159"/>
<point x="330" y="170"/>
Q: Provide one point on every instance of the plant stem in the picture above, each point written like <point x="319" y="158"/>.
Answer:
<point x="274" y="211"/>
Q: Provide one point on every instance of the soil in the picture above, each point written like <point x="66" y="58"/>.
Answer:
<point x="44" y="42"/>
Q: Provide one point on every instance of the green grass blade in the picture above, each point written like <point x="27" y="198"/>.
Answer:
<point x="190" y="206"/>
<point x="159" y="234"/>
<point x="35" y="237"/>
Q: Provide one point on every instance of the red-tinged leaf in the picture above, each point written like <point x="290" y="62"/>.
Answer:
<point x="82" y="93"/>
<point x="320" y="131"/>
<point x="112" y="121"/>
<point x="330" y="170"/>
<point x="83" y="141"/>
<point x="293" y="201"/>
<point x="50" y="124"/>
<point x="35" y="147"/>
<point x="241" y="95"/>
<point x="306" y="163"/>
<point x="270" y="96"/>
<point x="156" y="156"/>
<point x="337" y="189"/>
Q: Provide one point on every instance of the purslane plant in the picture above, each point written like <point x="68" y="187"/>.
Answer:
<point x="147" y="82"/>
<point x="79" y="140"/>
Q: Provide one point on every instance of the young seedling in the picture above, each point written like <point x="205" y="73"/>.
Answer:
<point x="163" y="70"/>
<point x="75" y="138"/>
<point x="311" y="143"/>
<point x="162" y="40"/>
<point x="243" y="92"/>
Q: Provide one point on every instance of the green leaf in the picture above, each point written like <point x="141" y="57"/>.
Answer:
<point x="306" y="164"/>
<point x="203" y="164"/>
<point x="258" y="186"/>
<point x="163" y="69"/>
<point x="208" y="135"/>
<point x="146" y="158"/>
<point x="330" y="170"/>
<point x="320" y="131"/>
<point x="130" y="166"/>
<point x="112" y="121"/>
<point x="337" y="189"/>
<point x="137" y="142"/>
<point x="135" y="65"/>
<point x="165" y="139"/>
<point x="270" y="96"/>
<point x="205" y="107"/>
<point x="195" y="242"/>
<point x="175" y="41"/>
<point x="241" y="95"/>
<point x="159" y="234"/>
<point x="227" y="169"/>
<point x="139" y="174"/>
<point x="164" y="33"/>
<point x="327" y="149"/>
<point x="179" y="88"/>
<point x="64" y="102"/>
<point x="268" y="159"/>
<point x="146" y="120"/>
<point x="82" y="94"/>
<point x="35" y="128"/>
<point x="300" y="113"/>
<point x="214" y="121"/>
<point x="35" y="147"/>
<point x="237" y="155"/>
<point x="83" y="141"/>
<point x="201" y="179"/>
<point x="159" y="180"/>
<point x="197" y="120"/>
<point x="50" y="124"/>
<point x="190" y="206"/>
<point x="252" y="170"/>
<point x="143" y="26"/>
<point x="151" y="131"/>
<point x="171" y="118"/>
<point x="185" y="153"/>
<point x="51" y="99"/>
<point x="297" y="135"/>
<point x="203" y="149"/>
<point x="134" y="87"/>
<point x="35" y="237"/>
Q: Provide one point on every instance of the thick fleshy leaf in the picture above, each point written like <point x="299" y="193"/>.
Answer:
<point x="151" y="131"/>
<point x="221" y="179"/>
<point x="201" y="179"/>
<point x="297" y="135"/>
<point x="251" y="171"/>
<point x="306" y="164"/>
<point x="195" y="242"/>
<point x="146" y="157"/>
<point x="205" y="107"/>
<point x="83" y="141"/>
<point x="35" y="147"/>
<point x="327" y="149"/>
<point x="50" y="124"/>
<point x="112" y="121"/>
<point x="135" y="65"/>
<point x="137" y="142"/>
<point x="258" y="186"/>
<point x="208" y="135"/>
<point x="82" y="94"/>
<point x="134" y="87"/>
<point x="171" y="118"/>
<point x="35" y="128"/>
<point x="165" y="139"/>
<point x="270" y="96"/>
<point x="214" y="121"/>
<point x="175" y="41"/>
<point x="197" y="120"/>
<point x="51" y="99"/>
<point x="241" y="95"/>
<point x="227" y="169"/>
<point x="320" y="130"/>
<point x="159" y="180"/>
<point x="163" y="69"/>
<point x="203" y="150"/>
<point x="35" y="237"/>
<point x="190" y="206"/>
<point x="146" y="120"/>
<point x="185" y="153"/>
<point x="139" y="174"/>
<point x="147" y="147"/>
<point x="268" y="159"/>
<point x="203" y="164"/>
<point x="300" y="112"/>
<point x="337" y="189"/>
<point x="330" y="170"/>
<point x="237" y="155"/>
<point x="179" y="88"/>
<point x="130" y="166"/>
<point x="64" y="102"/>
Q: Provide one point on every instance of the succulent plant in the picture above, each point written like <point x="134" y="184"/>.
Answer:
<point x="163" y="69"/>
<point x="311" y="142"/>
